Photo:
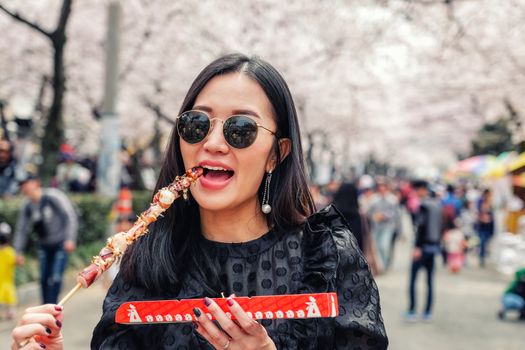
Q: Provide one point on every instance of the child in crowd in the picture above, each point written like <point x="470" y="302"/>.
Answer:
<point x="514" y="296"/>
<point x="7" y="272"/>
<point x="455" y="244"/>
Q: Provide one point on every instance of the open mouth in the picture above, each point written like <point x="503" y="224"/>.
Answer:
<point x="216" y="173"/>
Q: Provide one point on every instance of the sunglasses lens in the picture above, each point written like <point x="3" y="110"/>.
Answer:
<point x="193" y="126"/>
<point x="240" y="131"/>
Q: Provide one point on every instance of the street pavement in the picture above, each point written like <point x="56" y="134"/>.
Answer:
<point x="464" y="313"/>
<point x="465" y="307"/>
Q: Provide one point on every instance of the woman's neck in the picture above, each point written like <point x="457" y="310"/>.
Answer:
<point x="237" y="225"/>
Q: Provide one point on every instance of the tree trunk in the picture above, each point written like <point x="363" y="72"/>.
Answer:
<point x="54" y="128"/>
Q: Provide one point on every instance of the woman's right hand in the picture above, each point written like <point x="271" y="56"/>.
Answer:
<point x="41" y="326"/>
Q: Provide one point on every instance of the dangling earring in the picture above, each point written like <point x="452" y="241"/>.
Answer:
<point x="266" y="208"/>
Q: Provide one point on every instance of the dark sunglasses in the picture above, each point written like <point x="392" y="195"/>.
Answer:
<point x="240" y="131"/>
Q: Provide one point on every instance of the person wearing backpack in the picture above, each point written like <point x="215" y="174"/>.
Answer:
<point x="50" y="214"/>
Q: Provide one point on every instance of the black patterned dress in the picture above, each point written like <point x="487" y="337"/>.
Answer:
<point x="321" y="257"/>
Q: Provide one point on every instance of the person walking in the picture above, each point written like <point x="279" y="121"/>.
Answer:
<point x="51" y="215"/>
<point x="382" y="214"/>
<point x="484" y="224"/>
<point x="428" y="222"/>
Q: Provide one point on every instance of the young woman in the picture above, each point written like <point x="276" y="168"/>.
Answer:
<point x="248" y="229"/>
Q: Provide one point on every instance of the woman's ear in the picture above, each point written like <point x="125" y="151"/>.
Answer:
<point x="285" y="146"/>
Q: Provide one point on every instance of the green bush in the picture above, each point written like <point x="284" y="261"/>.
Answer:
<point x="141" y="201"/>
<point x="94" y="218"/>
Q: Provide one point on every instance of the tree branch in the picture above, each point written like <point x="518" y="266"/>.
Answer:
<point x="158" y="112"/>
<point x="64" y="15"/>
<point x="16" y="16"/>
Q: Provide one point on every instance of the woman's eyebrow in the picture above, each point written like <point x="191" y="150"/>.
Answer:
<point x="246" y="112"/>
<point x="243" y="111"/>
<point x="203" y="108"/>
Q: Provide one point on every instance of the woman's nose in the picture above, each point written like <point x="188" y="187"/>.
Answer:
<point x="215" y="141"/>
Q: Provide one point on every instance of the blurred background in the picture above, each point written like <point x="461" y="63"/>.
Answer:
<point x="387" y="91"/>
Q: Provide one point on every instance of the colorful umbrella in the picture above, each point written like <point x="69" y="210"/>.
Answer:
<point x="518" y="165"/>
<point x="476" y="165"/>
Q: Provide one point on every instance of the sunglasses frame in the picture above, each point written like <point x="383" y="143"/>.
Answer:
<point x="223" y="122"/>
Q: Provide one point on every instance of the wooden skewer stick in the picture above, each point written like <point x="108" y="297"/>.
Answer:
<point x="70" y="294"/>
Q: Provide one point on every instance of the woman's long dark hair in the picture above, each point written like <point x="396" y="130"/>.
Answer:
<point x="159" y="260"/>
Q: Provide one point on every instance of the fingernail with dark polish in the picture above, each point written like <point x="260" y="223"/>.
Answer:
<point x="48" y="331"/>
<point x="207" y="301"/>
<point x="43" y="346"/>
<point x="195" y="324"/>
<point x="229" y="301"/>
<point x="58" y="308"/>
<point x="197" y="312"/>
<point x="59" y="324"/>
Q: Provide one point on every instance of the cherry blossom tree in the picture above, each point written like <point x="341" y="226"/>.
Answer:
<point x="409" y="81"/>
<point x="53" y="130"/>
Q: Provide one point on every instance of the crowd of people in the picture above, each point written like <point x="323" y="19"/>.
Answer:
<point x="446" y="220"/>
<point x="374" y="209"/>
<point x="74" y="173"/>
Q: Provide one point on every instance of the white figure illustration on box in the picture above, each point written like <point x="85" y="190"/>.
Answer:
<point x="159" y="318"/>
<point x="133" y="314"/>
<point x="334" y="311"/>
<point x="312" y="308"/>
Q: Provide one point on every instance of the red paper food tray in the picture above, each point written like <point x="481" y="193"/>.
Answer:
<point x="259" y="307"/>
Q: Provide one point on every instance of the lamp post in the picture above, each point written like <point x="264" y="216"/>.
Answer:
<point x="109" y="167"/>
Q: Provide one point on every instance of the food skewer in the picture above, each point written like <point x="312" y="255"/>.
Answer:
<point x="116" y="245"/>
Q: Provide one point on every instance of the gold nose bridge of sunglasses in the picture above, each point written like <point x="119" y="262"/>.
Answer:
<point x="212" y="124"/>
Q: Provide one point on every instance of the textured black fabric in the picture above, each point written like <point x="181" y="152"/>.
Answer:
<point x="322" y="257"/>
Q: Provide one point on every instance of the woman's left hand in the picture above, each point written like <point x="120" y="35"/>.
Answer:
<point x="245" y="333"/>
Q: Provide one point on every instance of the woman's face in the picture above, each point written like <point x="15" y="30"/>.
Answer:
<point x="223" y="96"/>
